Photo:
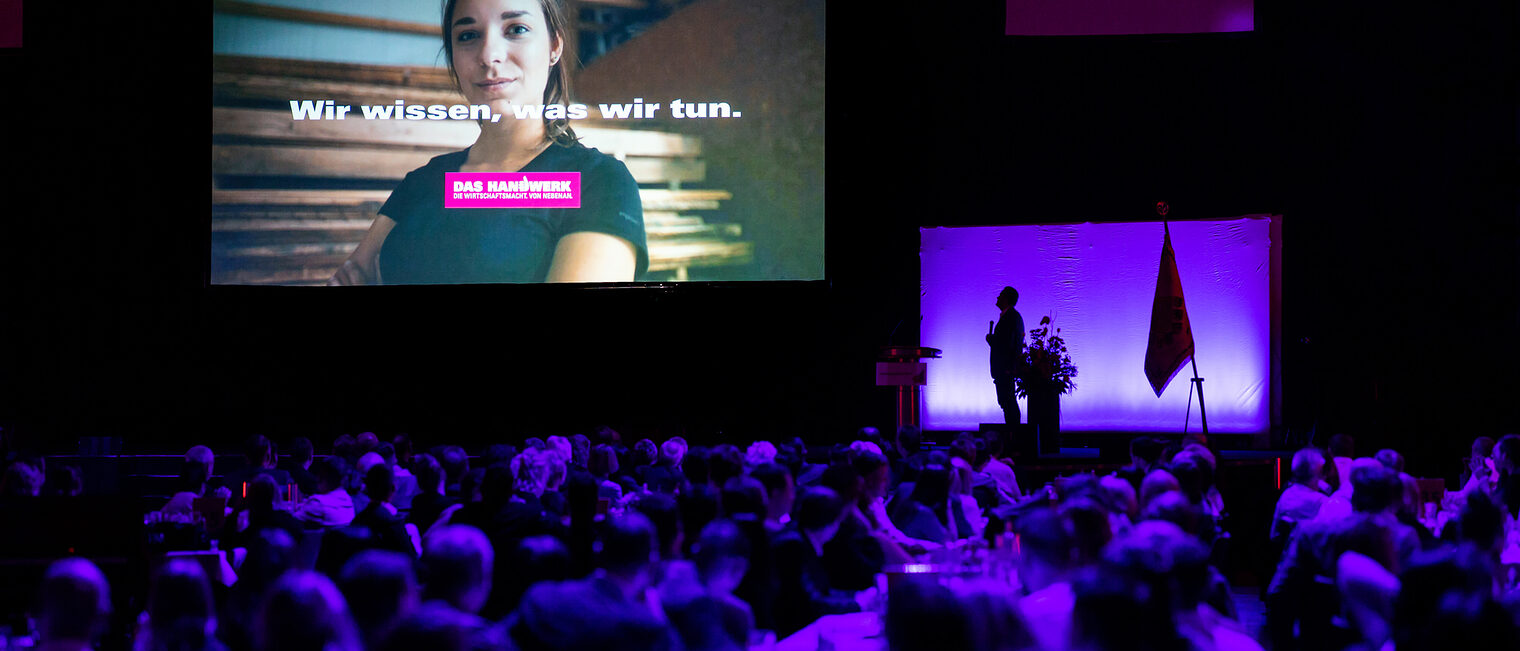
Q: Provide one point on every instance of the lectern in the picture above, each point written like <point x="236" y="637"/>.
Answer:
<point x="903" y="367"/>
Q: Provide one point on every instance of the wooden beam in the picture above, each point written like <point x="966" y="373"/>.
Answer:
<point x="667" y="257"/>
<point x="313" y="275"/>
<point x="676" y="200"/>
<point x="278" y="125"/>
<point x="260" y="124"/>
<point x="621" y="4"/>
<point x="390" y="164"/>
<point x="289" y="253"/>
<point x="314" y="264"/>
<point x="317" y="162"/>
<point x="326" y="18"/>
<point x="270" y="225"/>
<point x="228" y="87"/>
<point x="299" y="197"/>
<point x="654" y="232"/>
<point x="666" y="201"/>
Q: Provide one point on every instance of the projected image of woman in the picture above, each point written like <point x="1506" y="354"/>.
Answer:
<point x="505" y="53"/>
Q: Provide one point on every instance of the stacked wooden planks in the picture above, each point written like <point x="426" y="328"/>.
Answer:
<point x="291" y="199"/>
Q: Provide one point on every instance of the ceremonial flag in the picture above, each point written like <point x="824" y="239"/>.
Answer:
<point x="1171" y="340"/>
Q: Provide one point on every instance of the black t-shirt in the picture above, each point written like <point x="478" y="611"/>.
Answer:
<point x="1007" y="345"/>
<point x="432" y="244"/>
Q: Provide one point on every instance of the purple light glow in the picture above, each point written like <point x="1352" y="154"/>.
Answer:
<point x="1097" y="17"/>
<point x="1098" y="281"/>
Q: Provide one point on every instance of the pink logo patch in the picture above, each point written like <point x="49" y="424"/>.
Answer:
<point x="512" y="190"/>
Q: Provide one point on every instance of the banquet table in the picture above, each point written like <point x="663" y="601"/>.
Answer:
<point x="848" y="632"/>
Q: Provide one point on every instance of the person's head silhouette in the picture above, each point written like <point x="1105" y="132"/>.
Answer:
<point x="1008" y="298"/>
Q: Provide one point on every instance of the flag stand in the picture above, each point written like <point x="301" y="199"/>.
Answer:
<point x="1203" y="414"/>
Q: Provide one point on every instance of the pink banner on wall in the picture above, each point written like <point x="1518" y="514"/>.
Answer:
<point x="512" y="190"/>
<point x="1112" y="17"/>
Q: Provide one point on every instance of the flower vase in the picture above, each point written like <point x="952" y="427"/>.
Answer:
<point x="1045" y="415"/>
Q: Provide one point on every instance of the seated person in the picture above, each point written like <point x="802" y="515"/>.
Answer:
<point x="406" y="483"/>
<point x="430" y="501"/>
<point x="299" y="466"/>
<point x="603" y="465"/>
<point x="722" y="560"/>
<point x="988" y="463"/>
<point x="457" y="561"/>
<point x="927" y="514"/>
<point x="74" y="606"/>
<point x="665" y="475"/>
<point x="780" y="493"/>
<point x="261" y="510"/>
<point x="259" y="453"/>
<point x="804" y="592"/>
<point x="1303" y="497"/>
<point x="192" y="485"/>
<point x="388" y="528"/>
<point x="180" y="613"/>
<point x="614" y="608"/>
<point x="331" y="506"/>
<point x="381" y="590"/>
<point x="1372" y="529"/>
<point x="304" y="610"/>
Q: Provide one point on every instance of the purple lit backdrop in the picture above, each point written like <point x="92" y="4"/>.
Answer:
<point x="1094" y="17"/>
<point x="1098" y="281"/>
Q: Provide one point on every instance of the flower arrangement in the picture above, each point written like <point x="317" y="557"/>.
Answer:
<point x="1047" y="365"/>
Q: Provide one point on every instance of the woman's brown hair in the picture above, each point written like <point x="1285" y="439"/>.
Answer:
<point x="557" y="91"/>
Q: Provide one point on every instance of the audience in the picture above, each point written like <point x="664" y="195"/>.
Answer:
<point x="270" y="554"/>
<point x="299" y="466"/>
<point x="387" y="526"/>
<point x="1001" y="473"/>
<point x="193" y="476"/>
<point x="614" y="608"/>
<point x="928" y="513"/>
<point x="456" y="567"/>
<point x="805" y="591"/>
<point x="259" y="455"/>
<point x="21" y="480"/>
<point x="603" y="465"/>
<point x="1342" y="447"/>
<point x="1305" y="494"/>
<point x="331" y="506"/>
<point x="381" y="589"/>
<point x="261" y="510"/>
<point x="430" y="501"/>
<point x="1045" y="564"/>
<point x="304" y="611"/>
<point x="665" y="476"/>
<point x="73" y="606"/>
<point x="780" y="493"/>
<point x="181" y="613"/>
<point x="1370" y="529"/>
<point x="580" y="542"/>
<point x="722" y="557"/>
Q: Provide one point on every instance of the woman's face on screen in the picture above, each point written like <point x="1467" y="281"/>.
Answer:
<point x="502" y="52"/>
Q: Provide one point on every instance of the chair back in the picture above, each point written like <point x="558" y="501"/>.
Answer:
<point x="1431" y="489"/>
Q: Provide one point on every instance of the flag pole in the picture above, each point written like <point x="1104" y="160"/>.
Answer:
<point x="1203" y="414"/>
<point x="1162" y="208"/>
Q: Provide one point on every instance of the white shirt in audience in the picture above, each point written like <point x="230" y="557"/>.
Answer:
<point x="1003" y="475"/>
<point x="335" y="509"/>
<point x="1298" y="504"/>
